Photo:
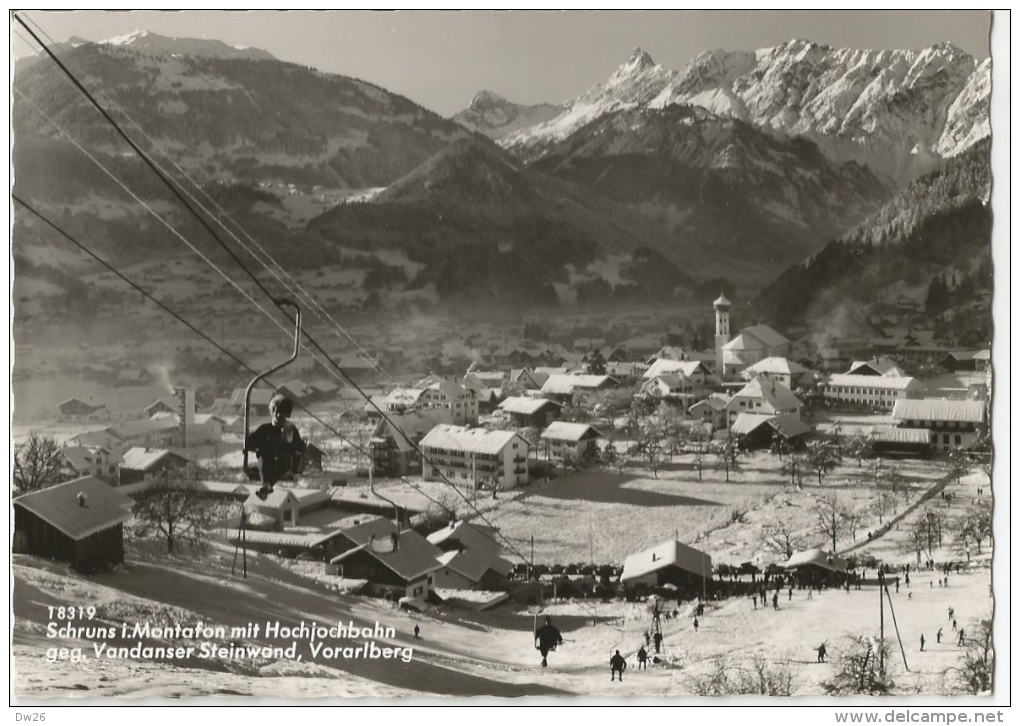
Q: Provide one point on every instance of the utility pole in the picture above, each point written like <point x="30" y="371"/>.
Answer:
<point x="881" y="622"/>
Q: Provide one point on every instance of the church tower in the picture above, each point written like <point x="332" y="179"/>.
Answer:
<point x="722" y="330"/>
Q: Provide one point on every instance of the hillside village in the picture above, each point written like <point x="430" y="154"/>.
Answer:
<point x="421" y="502"/>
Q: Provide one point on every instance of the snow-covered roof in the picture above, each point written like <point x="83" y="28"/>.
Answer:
<point x="897" y="435"/>
<point x="899" y="383"/>
<point x="772" y="392"/>
<point x="664" y="366"/>
<point x="670" y="553"/>
<point x="817" y="557"/>
<point x="777" y="365"/>
<point x="414" y="557"/>
<point x="756" y="337"/>
<point x="883" y="366"/>
<point x="564" y="384"/>
<point x="473" y="563"/>
<point x="721" y="302"/>
<point x="276" y="499"/>
<point x="467" y="534"/>
<point x="930" y="409"/>
<point x="403" y="396"/>
<point x="716" y="402"/>
<point x="139" y="458"/>
<point x="461" y="438"/>
<point x="565" y="431"/>
<point x="99" y="507"/>
<point x="526" y="405"/>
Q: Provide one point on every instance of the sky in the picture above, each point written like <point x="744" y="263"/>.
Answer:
<point x="441" y="59"/>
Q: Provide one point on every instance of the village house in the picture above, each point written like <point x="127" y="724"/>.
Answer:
<point x="871" y="391"/>
<point x="402" y="400"/>
<point x="297" y="391"/>
<point x="284" y="506"/>
<point x="640" y="348"/>
<point x="475" y="459"/>
<point x="394" y="440"/>
<point x="763" y="396"/>
<point x="404" y="568"/>
<point x="523" y="411"/>
<point x="953" y="424"/>
<point x="104" y="437"/>
<point x="160" y="432"/>
<point x="817" y="567"/>
<point x="758" y="431"/>
<point x="967" y="360"/>
<point x="669" y="563"/>
<point x="77" y="410"/>
<point x="258" y="403"/>
<point x="575" y="441"/>
<point x="133" y="377"/>
<point x="711" y="410"/>
<point x="526" y="379"/>
<point x="323" y="389"/>
<point x="459" y="535"/>
<point x="562" y="388"/>
<point x="167" y="404"/>
<point x="144" y="465"/>
<point x="80" y="522"/>
<point x="668" y="352"/>
<point x="462" y="403"/>
<point x="97" y="461"/>
<point x="880" y="366"/>
<point x="790" y="373"/>
<point x="472" y="569"/>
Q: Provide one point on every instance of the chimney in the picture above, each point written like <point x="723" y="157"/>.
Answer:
<point x="185" y="416"/>
<point x="81" y="499"/>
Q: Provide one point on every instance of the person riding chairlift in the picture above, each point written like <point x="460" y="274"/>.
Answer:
<point x="278" y="446"/>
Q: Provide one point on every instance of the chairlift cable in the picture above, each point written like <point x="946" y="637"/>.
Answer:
<point x="174" y="190"/>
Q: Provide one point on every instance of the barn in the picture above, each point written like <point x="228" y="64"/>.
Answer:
<point x="669" y="563"/>
<point x="80" y="522"/>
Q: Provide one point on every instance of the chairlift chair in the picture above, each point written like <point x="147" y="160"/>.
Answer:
<point x="252" y="471"/>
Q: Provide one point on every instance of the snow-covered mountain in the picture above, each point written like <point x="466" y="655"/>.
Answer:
<point x="898" y="111"/>
<point x="142" y="41"/>
<point x="496" y="117"/>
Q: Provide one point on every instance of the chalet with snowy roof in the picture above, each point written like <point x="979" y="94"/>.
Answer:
<point x="880" y="366"/>
<point x="403" y="566"/>
<point x="472" y="569"/>
<point x="668" y="352"/>
<point x="752" y="345"/>
<point x="461" y="535"/>
<point x="318" y="545"/>
<point x="77" y="410"/>
<point x="524" y="411"/>
<point x="475" y="458"/>
<point x="478" y="380"/>
<point x="97" y="461"/>
<point x="762" y="396"/>
<point x="870" y="391"/>
<point x="758" y="431"/>
<point x="953" y="424"/>
<point x="283" y="506"/>
<point x="564" y="440"/>
<point x="563" y="387"/>
<point x="462" y="403"/>
<point x="790" y="373"/>
<point x="141" y="464"/>
<point x="711" y="410"/>
<point x="817" y="567"/>
<point x="669" y="563"/>
<point x="402" y="400"/>
<point x="394" y="440"/>
<point x="967" y="360"/>
<point x="167" y="404"/>
<point x="527" y="379"/>
<point x="80" y="522"/>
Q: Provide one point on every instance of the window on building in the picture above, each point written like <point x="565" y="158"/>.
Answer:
<point x="957" y="439"/>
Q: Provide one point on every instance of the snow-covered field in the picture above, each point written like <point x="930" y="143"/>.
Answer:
<point x="464" y="653"/>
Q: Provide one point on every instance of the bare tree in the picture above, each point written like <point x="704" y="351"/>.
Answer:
<point x="794" y="466"/>
<point x="779" y="538"/>
<point x="833" y="518"/>
<point x="37" y="464"/>
<point x="174" y="507"/>
<point x="974" y="528"/>
<point x="650" y="444"/>
<point x="821" y="458"/>
<point x="729" y="451"/>
<point x="762" y="678"/>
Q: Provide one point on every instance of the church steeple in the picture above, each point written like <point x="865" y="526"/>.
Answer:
<point x="722" y="331"/>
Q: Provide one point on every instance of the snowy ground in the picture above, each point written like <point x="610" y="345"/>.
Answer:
<point x="464" y="652"/>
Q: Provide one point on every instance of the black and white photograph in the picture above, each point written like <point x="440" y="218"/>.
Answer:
<point x="387" y="355"/>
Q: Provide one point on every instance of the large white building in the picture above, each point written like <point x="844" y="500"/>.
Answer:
<point x="475" y="458"/>
<point x="953" y="424"/>
<point x="872" y="391"/>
